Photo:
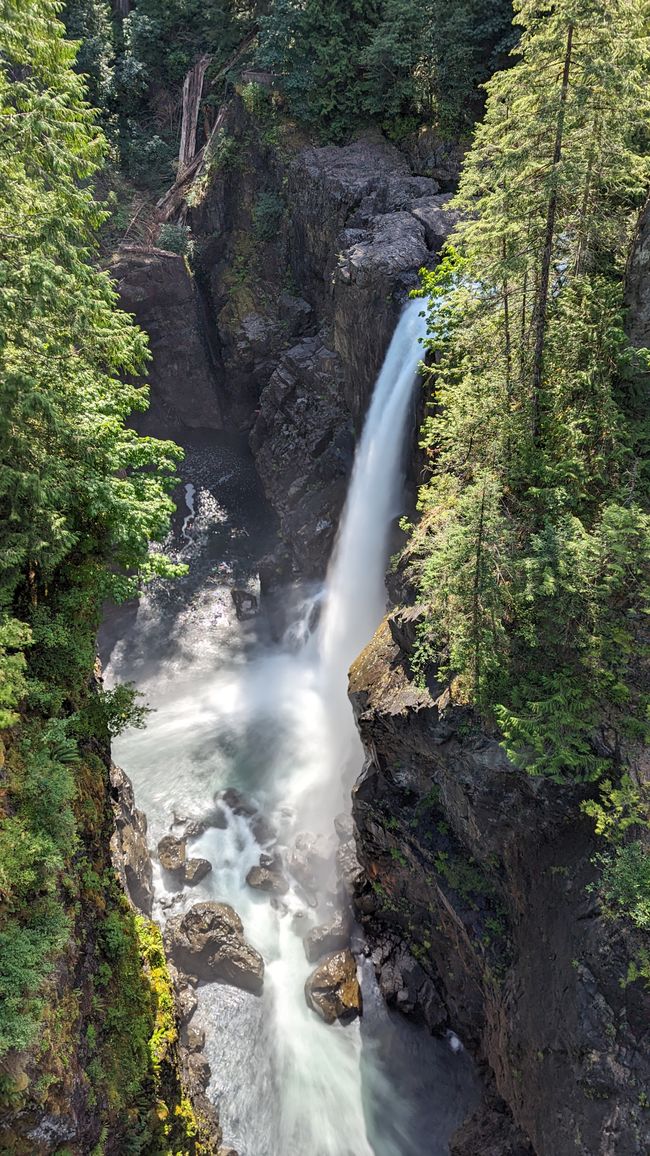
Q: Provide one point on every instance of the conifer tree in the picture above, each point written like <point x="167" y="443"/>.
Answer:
<point x="528" y="380"/>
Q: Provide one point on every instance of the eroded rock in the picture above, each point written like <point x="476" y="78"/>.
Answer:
<point x="327" y="938"/>
<point x="129" y="849"/>
<point x="333" y="991"/>
<point x="208" y="942"/>
<point x="268" y="876"/>
<point x="172" y="853"/>
<point x="196" y="870"/>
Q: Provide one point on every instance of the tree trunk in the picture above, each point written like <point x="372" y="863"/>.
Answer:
<point x="192" y="93"/>
<point x="476" y="598"/>
<point x="547" y="254"/>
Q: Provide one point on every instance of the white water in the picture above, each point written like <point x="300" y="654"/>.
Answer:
<point x="276" y="723"/>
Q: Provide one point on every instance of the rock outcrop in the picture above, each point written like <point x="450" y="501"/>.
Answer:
<point x="484" y="873"/>
<point x="305" y="256"/>
<point x="208" y="943"/>
<point x="129" y="848"/>
<point x="158" y="288"/>
<point x="333" y="991"/>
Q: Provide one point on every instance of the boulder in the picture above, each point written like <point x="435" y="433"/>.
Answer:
<point x="268" y="876"/>
<point x="196" y="870"/>
<point x="172" y="854"/>
<point x="237" y="802"/>
<point x="208" y="942"/>
<point x="327" y="937"/>
<point x="311" y="859"/>
<point x="333" y="991"/>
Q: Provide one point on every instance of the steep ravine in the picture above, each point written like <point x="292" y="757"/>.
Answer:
<point x="473" y="890"/>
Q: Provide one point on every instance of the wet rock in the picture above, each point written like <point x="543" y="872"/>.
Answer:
<point x="239" y="804"/>
<point x="333" y="991"/>
<point x="490" y="1131"/>
<point x="245" y="603"/>
<point x="348" y="870"/>
<point x="344" y="827"/>
<point x="227" y="1152"/>
<point x="405" y="985"/>
<point x="186" y="1000"/>
<point x="129" y="849"/>
<point x="311" y="859"/>
<point x="172" y="854"/>
<point x="327" y="937"/>
<point x="268" y="876"/>
<point x="208" y="942"/>
<point x="198" y="1070"/>
<point x="194" y="1039"/>
<point x="196" y="870"/>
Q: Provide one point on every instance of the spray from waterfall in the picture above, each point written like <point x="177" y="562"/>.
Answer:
<point x="275" y="723"/>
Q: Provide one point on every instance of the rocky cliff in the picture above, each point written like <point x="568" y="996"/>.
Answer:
<point x="305" y="256"/>
<point x="485" y="874"/>
<point x="106" y="1073"/>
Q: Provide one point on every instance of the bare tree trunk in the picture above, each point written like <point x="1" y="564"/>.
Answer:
<point x="192" y="93"/>
<point x="547" y="254"/>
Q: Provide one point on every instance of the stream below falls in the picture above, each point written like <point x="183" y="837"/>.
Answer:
<point x="233" y="707"/>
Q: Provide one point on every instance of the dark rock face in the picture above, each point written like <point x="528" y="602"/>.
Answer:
<point x="129" y="848"/>
<point x="303" y="314"/>
<point x="156" y="286"/>
<point x="333" y="991"/>
<point x="208" y="942"/>
<point x="304" y="446"/>
<point x="404" y="983"/>
<point x="483" y="872"/>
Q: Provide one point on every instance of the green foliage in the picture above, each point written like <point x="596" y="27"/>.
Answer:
<point x="532" y="550"/>
<point x="626" y="882"/>
<point x="268" y="213"/>
<point x="396" y="61"/>
<point x="175" y="238"/>
<point x="157" y="43"/>
<point x="89" y="22"/>
<point x="81" y="495"/>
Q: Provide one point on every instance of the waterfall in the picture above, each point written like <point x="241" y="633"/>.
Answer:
<point x="275" y="722"/>
<point x="355" y="592"/>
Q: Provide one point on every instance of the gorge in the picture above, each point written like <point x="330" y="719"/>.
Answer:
<point x="343" y="849"/>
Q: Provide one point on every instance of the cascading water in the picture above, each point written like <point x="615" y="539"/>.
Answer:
<point x="275" y="722"/>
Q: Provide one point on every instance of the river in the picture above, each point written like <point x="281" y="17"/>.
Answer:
<point x="234" y="707"/>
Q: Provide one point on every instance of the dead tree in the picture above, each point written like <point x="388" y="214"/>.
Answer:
<point x="192" y="93"/>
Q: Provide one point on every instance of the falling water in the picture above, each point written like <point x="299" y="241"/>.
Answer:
<point x="233" y="710"/>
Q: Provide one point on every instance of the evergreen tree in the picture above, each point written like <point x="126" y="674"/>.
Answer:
<point x="529" y="373"/>
<point x="81" y="496"/>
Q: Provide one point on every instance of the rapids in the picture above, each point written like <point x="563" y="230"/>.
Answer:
<point x="233" y="708"/>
